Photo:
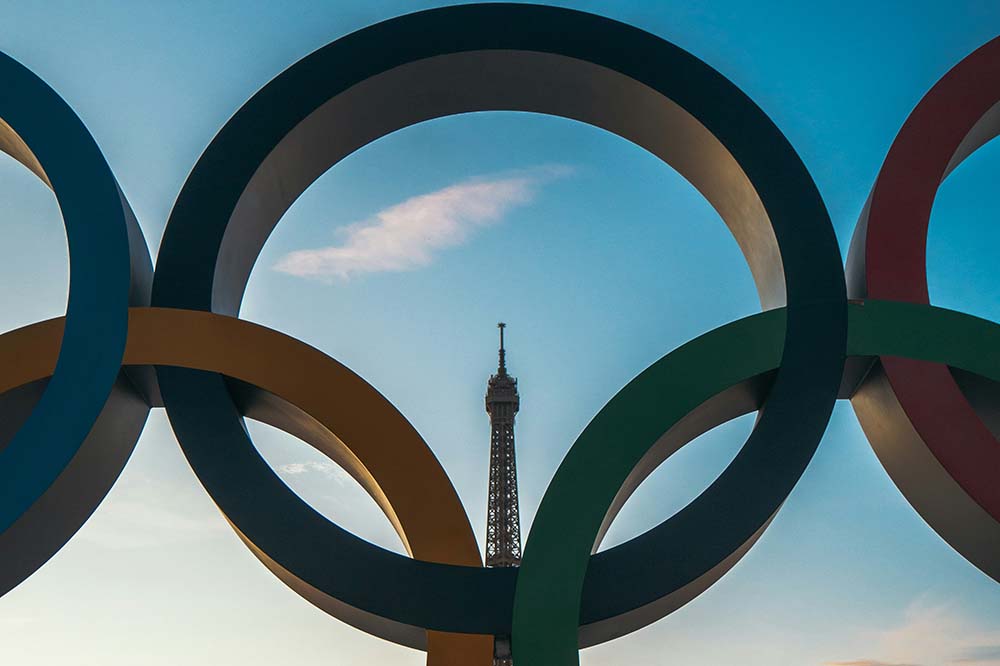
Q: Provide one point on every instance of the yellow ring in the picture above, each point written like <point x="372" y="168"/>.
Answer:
<point x="360" y="429"/>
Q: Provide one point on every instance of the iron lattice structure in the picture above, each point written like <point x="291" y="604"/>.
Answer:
<point x="503" y="521"/>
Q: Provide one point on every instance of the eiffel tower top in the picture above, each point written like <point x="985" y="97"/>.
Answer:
<point x="502" y="387"/>
<point x="502" y="367"/>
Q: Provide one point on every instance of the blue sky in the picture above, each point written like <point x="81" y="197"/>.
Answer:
<point x="609" y="259"/>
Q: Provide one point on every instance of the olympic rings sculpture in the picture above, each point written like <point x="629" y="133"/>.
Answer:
<point x="75" y="391"/>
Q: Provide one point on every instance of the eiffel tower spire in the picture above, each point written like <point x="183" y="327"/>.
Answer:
<point x="503" y="522"/>
<point x="503" y="525"/>
<point x="502" y="365"/>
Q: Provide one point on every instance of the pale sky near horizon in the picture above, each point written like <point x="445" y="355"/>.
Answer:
<point x="612" y="260"/>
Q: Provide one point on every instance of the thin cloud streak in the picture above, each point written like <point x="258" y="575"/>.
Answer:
<point x="410" y="234"/>
<point x="153" y="514"/>
<point x="980" y="654"/>
<point x="865" y="662"/>
<point x="932" y="635"/>
<point x="328" y="469"/>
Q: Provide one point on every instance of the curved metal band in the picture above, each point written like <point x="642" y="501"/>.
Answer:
<point x="286" y="383"/>
<point x="517" y="57"/>
<point x="63" y="443"/>
<point x="267" y="367"/>
<point x="937" y="434"/>
<point x="749" y="350"/>
<point x="265" y="371"/>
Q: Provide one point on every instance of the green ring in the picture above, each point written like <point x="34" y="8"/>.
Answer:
<point x="663" y="394"/>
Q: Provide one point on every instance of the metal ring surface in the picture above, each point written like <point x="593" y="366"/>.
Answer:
<point x="247" y="352"/>
<point x="937" y="433"/>
<point x="285" y="383"/>
<point x="66" y="441"/>
<point x="518" y="57"/>
<point x="747" y="351"/>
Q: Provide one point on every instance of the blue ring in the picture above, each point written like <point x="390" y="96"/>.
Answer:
<point x="105" y="275"/>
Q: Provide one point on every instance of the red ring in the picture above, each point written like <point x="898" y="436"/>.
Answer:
<point x="888" y="261"/>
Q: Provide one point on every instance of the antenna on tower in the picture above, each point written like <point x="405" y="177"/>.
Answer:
<point x="502" y="369"/>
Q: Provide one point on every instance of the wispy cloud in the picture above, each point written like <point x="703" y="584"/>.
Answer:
<point x="153" y="514"/>
<point x="865" y="662"/>
<point x="409" y="234"/>
<point x="933" y="635"/>
<point x="980" y="654"/>
<point x="16" y="622"/>
<point x="328" y="469"/>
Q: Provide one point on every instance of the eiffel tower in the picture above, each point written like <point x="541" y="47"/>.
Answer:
<point x="503" y="522"/>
